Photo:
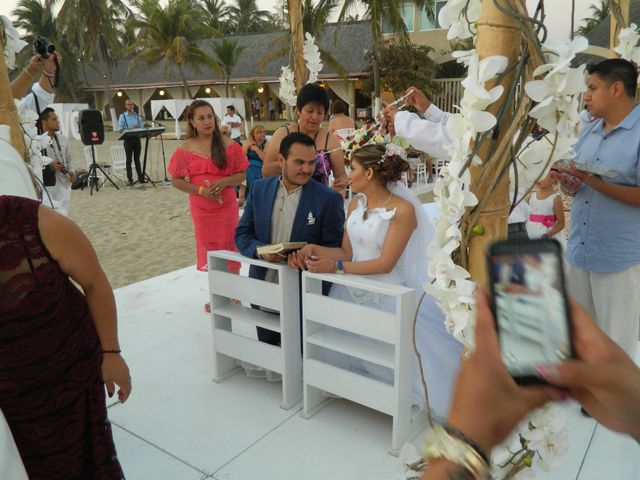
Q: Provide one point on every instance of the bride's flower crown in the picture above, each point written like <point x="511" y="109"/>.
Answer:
<point x="391" y="150"/>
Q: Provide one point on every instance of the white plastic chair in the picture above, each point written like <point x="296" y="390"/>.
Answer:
<point x="118" y="162"/>
<point x="421" y="173"/>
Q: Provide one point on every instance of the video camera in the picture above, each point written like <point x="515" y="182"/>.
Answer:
<point x="42" y="46"/>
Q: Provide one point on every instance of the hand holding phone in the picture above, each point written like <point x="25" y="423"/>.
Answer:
<point x="529" y="302"/>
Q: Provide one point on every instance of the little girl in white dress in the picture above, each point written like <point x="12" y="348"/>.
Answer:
<point x="546" y="217"/>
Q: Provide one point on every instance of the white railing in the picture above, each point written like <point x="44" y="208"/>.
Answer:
<point x="450" y="94"/>
<point x="281" y="297"/>
<point x="367" y="334"/>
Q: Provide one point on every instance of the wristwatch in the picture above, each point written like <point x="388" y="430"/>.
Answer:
<point x="339" y="267"/>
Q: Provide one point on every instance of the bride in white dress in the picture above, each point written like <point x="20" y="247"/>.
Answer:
<point x="386" y="238"/>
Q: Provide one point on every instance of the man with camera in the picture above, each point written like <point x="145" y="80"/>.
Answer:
<point x="62" y="166"/>
<point x="44" y="70"/>
<point x="128" y="120"/>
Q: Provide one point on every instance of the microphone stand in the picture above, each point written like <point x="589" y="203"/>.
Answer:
<point x="164" y="160"/>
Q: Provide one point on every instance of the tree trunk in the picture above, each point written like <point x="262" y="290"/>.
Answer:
<point x="185" y="85"/>
<point x="573" y="18"/>
<point x="8" y="112"/>
<point x="377" y="101"/>
<point x="498" y="34"/>
<point x="226" y="85"/>
<point x="297" y="44"/>
<point x="108" y="76"/>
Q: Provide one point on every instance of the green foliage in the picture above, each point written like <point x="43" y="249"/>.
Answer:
<point x="227" y="54"/>
<point x="246" y="17"/>
<point x="598" y="14"/>
<point x="170" y="35"/>
<point x="403" y="65"/>
<point x="315" y="15"/>
<point x="37" y="19"/>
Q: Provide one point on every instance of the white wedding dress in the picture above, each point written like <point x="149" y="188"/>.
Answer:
<point x="439" y="350"/>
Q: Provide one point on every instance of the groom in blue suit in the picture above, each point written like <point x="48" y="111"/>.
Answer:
<point x="289" y="208"/>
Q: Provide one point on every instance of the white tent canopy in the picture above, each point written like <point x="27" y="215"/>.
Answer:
<point x="68" y="116"/>
<point x="176" y="107"/>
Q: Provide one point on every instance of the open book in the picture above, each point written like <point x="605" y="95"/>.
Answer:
<point x="282" y="248"/>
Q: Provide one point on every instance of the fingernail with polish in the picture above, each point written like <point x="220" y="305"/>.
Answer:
<point x="548" y="372"/>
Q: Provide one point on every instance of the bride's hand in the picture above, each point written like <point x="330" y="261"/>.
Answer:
<point x="321" y="265"/>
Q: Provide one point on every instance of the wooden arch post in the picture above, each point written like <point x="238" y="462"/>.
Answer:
<point x="297" y="43"/>
<point x="497" y="34"/>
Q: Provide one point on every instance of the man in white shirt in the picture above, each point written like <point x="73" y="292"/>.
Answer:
<point x="234" y="121"/>
<point x="58" y="150"/>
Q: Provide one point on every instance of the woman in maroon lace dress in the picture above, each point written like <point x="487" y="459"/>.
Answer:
<point x="58" y="347"/>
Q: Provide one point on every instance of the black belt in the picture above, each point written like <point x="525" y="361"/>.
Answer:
<point x="517" y="227"/>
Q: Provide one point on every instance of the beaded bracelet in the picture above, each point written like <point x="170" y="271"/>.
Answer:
<point x="111" y="351"/>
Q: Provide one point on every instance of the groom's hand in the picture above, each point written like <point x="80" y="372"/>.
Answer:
<point x="295" y="261"/>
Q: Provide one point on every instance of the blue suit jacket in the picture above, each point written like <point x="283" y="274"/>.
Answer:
<point x="319" y="218"/>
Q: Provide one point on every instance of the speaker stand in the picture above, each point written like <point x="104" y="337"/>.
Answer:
<point x="93" y="174"/>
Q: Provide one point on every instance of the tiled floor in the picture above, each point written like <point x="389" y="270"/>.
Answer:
<point x="179" y="425"/>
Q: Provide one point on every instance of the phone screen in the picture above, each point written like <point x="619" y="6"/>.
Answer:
<point x="529" y="302"/>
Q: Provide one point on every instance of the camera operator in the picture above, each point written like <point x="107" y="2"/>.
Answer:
<point x="40" y="76"/>
<point x="58" y="150"/>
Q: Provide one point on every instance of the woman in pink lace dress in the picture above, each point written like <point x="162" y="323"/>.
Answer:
<point x="208" y="166"/>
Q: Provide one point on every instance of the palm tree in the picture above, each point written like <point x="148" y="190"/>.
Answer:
<point x="379" y="13"/>
<point x="216" y="15"/>
<point x="171" y="36"/>
<point x="314" y="18"/>
<point x="227" y="54"/>
<point x="246" y="17"/>
<point x="96" y="36"/>
<point x="598" y="14"/>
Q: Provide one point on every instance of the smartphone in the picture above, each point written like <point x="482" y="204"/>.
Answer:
<point x="529" y="303"/>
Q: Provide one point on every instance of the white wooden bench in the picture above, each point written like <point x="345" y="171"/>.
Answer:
<point x="282" y="297"/>
<point x="373" y="326"/>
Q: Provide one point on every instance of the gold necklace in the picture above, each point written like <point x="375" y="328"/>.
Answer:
<point x="383" y="204"/>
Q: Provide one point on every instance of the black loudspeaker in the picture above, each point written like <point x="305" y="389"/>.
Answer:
<point x="91" y="127"/>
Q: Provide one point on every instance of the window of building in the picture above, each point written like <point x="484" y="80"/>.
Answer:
<point x="427" y="23"/>
<point x="407" y="18"/>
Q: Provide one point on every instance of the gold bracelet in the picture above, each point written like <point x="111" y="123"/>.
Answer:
<point x="440" y="444"/>
<point x="30" y="73"/>
<point x="200" y="190"/>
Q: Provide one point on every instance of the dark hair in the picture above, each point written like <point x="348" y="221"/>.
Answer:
<point x="390" y="169"/>
<point x="295" y="137"/>
<point x="218" y="153"/>
<point x="44" y="114"/>
<point x="312" y="93"/>
<point x="617" y="70"/>
<point x="231" y="107"/>
<point x="338" y="106"/>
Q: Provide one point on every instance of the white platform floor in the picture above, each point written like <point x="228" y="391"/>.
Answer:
<point x="179" y="425"/>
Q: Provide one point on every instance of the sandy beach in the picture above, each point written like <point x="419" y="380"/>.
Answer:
<point x="138" y="232"/>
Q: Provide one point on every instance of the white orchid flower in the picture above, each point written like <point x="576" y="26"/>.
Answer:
<point x="287" y="90"/>
<point x="560" y="54"/>
<point x="13" y="43"/>
<point x="460" y="22"/>
<point x="628" y="44"/>
<point x="311" y="55"/>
